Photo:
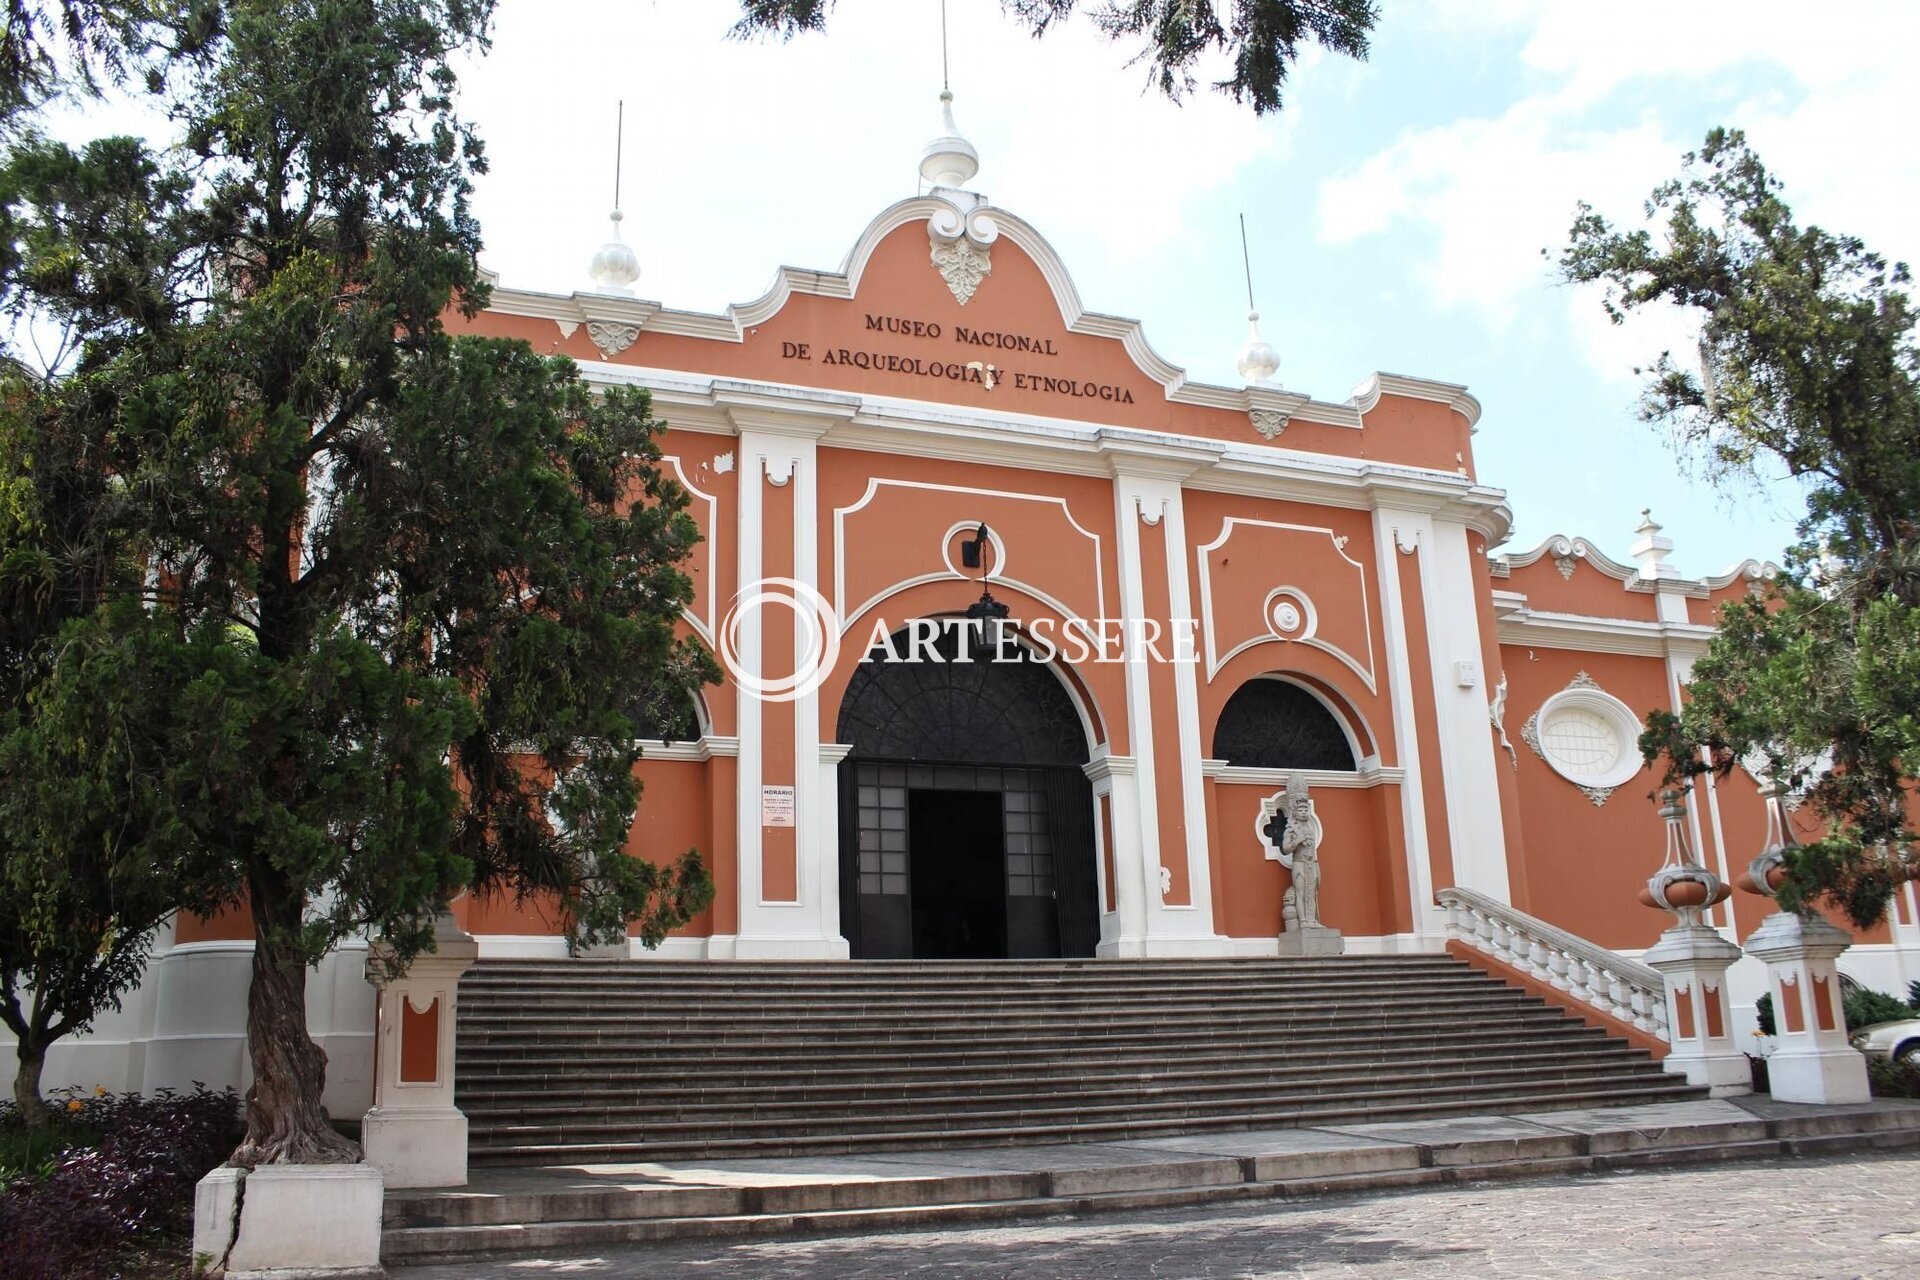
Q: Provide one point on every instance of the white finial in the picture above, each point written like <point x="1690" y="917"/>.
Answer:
<point x="1651" y="550"/>
<point x="949" y="160"/>
<point x="615" y="266"/>
<point x="1258" y="360"/>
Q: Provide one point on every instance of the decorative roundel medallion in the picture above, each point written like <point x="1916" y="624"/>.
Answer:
<point x="1289" y="613"/>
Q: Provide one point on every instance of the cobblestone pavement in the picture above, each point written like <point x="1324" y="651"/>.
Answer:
<point x="1842" y="1216"/>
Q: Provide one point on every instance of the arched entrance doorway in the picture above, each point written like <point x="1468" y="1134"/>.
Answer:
<point x="966" y="819"/>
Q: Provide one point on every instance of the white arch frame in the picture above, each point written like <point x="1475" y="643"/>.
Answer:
<point x="1360" y="758"/>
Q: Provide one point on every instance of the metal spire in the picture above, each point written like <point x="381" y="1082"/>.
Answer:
<point x="1246" y="258"/>
<point x="619" y="147"/>
<point x="1258" y="361"/>
<point x="615" y="266"/>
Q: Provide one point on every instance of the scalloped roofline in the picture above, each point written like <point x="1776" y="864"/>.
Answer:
<point x="732" y="324"/>
<point x="1562" y="546"/>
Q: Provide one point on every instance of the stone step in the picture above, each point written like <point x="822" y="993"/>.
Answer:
<point x="916" y="970"/>
<point x="644" y="1123"/>
<point x="538" y="1006"/>
<point x="1358" y="1110"/>
<point x="612" y="1025"/>
<point x="563" y="1211"/>
<point x="966" y="985"/>
<point x="1036" y="1065"/>
<point x="589" y="1060"/>
<point x="726" y="1107"/>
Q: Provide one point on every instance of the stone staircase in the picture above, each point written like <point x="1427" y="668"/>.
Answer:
<point x="614" y="1061"/>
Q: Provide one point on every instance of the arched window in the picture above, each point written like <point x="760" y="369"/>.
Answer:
<point x="1274" y="724"/>
<point x="666" y="712"/>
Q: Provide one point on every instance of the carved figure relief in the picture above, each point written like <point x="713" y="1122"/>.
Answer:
<point x="1294" y="833"/>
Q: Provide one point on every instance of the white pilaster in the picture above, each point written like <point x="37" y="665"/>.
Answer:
<point x="1123" y="931"/>
<point x="1148" y="503"/>
<point x="778" y="448"/>
<point x="1467" y="752"/>
<point x="1136" y="809"/>
<point x="1398" y="533"/>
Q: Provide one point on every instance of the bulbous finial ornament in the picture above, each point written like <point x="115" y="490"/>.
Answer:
<point x="1258" y="360"/>
<point x="949" y="160"/>
<point x="1681" y="885"/>
<point x="1766" y="872"/>
<point x="615" y="266"/>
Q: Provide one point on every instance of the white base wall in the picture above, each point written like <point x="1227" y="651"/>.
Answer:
<point x="187" y="1022"/>
<point x="294" y="1222"/>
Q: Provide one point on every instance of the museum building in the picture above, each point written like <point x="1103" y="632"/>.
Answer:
<point x="1190" y="597"/>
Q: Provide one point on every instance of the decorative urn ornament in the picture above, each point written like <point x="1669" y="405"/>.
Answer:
<point x="1681" y="885"/>
<point x="1766" y="872"/>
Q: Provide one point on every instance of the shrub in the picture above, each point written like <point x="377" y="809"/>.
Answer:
<point x="1864" y="1008"/>
<point x="118" y="1187"/>
<point x="1861" y="1007"/>
<point x="1893" y="1079"/>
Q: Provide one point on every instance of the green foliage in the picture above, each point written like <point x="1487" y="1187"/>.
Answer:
<point x="1892" y="1079"/>
<point x="376" y="597"/>
<point x="1261" y="38"/>
<point x="1861" y="1007"/>
<point x="1808" y="361"/>
<point x="1864" y="1008"/>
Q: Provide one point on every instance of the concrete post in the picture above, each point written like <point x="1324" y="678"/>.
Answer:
<point x="1694" y="959"/>
<point x="414" y="1134"/>
<point x="1813" y="1061"/>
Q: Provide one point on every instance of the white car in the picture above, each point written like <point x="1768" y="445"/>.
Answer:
<point x="1890" y="1041"/>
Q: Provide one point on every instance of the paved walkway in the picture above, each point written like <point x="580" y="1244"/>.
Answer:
<point x="1840" y="1216"/>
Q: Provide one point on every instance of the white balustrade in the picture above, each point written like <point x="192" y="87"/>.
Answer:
<point x="1623" y="989"/>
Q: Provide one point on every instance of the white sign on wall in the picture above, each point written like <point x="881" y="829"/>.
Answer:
<point x="777" y="805"/>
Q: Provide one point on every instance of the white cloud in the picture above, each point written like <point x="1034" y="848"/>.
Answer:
<point x="1617" y="102"/>
<point x="743" y="155"/>
<point x="1493" y="194"/>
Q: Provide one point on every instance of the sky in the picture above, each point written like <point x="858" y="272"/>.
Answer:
<point x="1397" y="208"/>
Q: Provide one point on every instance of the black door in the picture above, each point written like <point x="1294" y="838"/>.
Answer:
<point x="957" y="769"/>
<point x="1076" y="886"/>
<point x="957" y="869"/>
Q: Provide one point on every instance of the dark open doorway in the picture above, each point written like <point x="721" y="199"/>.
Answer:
<point x="966" y="815"/>
<point x="957" y="856"/>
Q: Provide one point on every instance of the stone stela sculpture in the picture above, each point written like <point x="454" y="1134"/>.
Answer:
<point x="1292" y="836"/>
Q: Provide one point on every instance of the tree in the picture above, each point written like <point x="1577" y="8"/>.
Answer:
<point x="1807" y="360"/>
<point x="82" y="841"/>
<point x="402" y="586"/>
<point x="1261" y="38"/>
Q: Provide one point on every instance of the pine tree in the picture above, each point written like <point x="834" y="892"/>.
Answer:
<point x="400" y="587"/>
<point x="1807" y="361"/>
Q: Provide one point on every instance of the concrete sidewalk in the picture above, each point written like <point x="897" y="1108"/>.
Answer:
<point x="593" y="1206"/>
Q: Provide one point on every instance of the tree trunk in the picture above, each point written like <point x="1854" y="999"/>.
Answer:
<point x="285" y="1122"/>
<point x="26" y="1084"/>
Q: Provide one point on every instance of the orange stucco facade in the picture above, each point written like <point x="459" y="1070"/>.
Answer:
<point x="853" y="431"/>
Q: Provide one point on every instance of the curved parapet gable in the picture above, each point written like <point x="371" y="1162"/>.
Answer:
<point x="999" y="327"/>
